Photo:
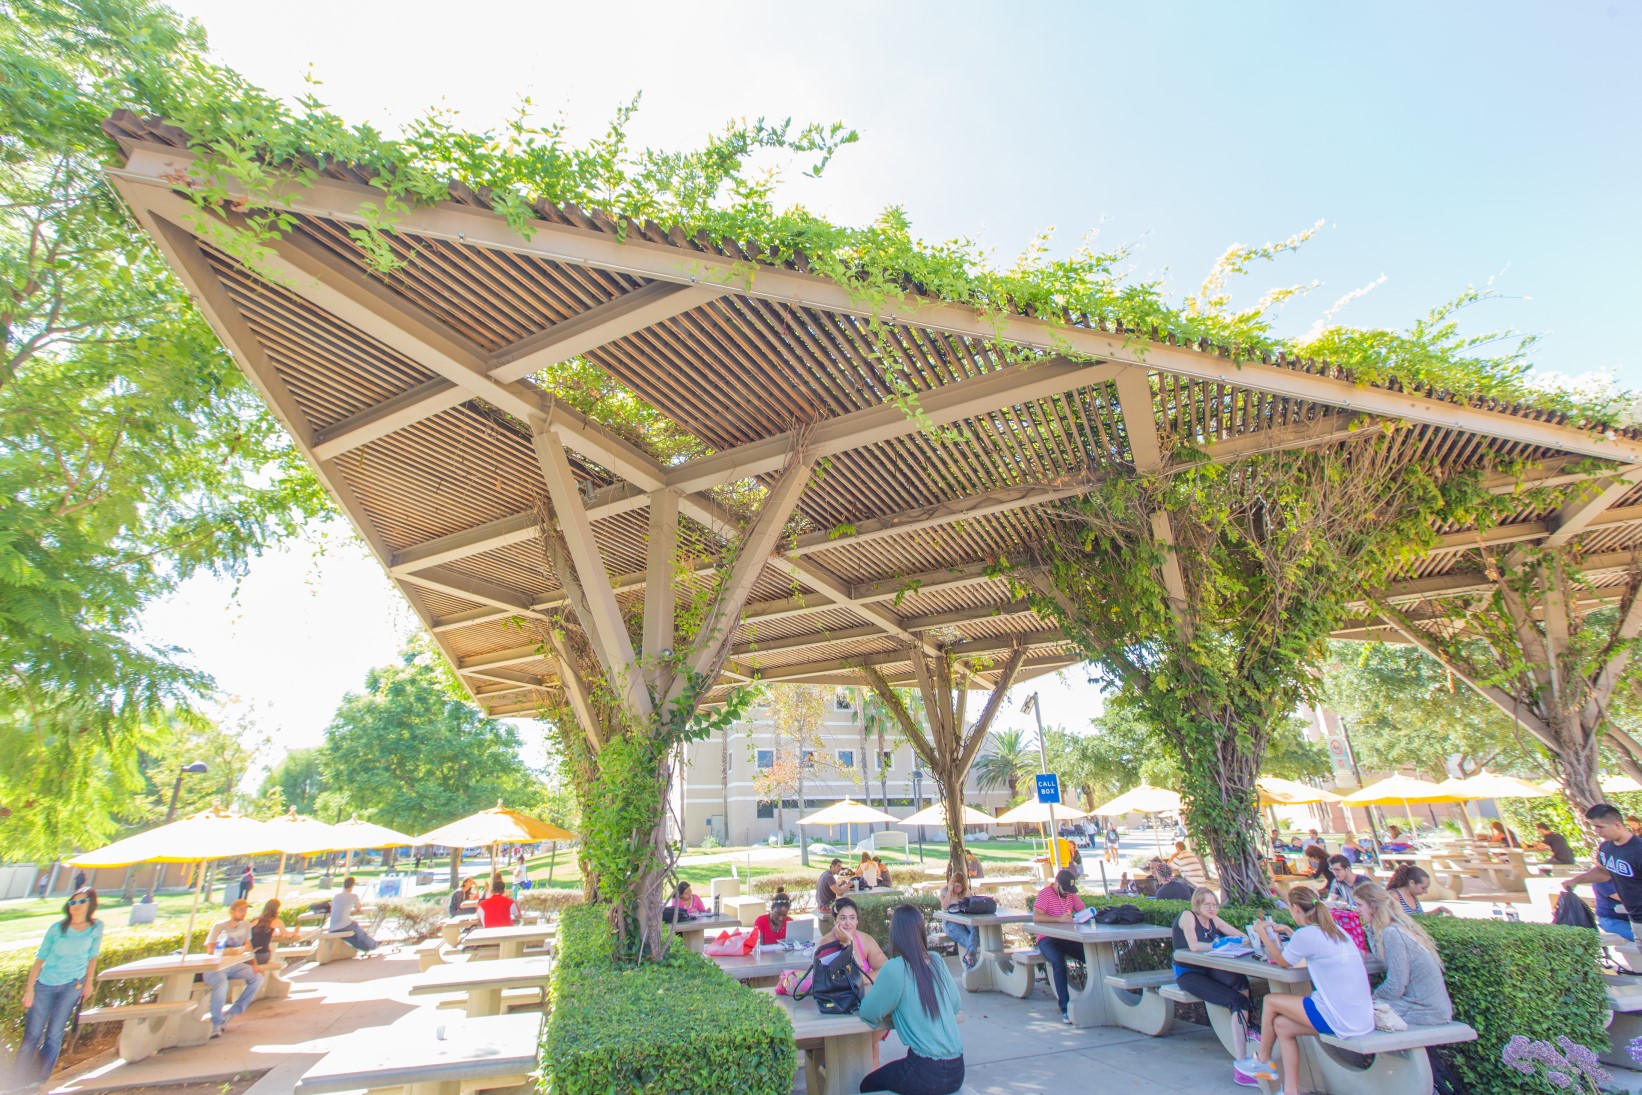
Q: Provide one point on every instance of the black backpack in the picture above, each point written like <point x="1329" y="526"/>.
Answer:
<point x="1119" y="914"/>
<point x="835" y="980"/>
<point x="975" y="905"/>
<point x="1572" y="912"/>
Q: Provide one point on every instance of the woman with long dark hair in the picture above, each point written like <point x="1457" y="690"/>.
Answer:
<point x="266" y="930"/>
<point x="64" y="974"/>
<point x="917" y="992"/>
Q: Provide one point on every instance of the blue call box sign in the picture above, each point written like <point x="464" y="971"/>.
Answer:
<point x="1048" y="787"/>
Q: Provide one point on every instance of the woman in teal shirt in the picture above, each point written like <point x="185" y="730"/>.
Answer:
<point x="63" y="974"/>
<point x="918" y="993"/>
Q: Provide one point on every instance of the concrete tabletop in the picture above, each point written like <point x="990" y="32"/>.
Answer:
<point x="1250" y="966"/>
<point x="506" y="972"/>
<point x="170" y="965"/>
<point x="1100" y="933"/>
<point x="975" y="920"/>
<point x="765" y="962"/>
<point x="408" y="1053"/>
<point x="526" y="932"/>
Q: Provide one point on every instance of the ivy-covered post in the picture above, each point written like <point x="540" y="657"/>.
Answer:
<point x="620" y="716"/>
<point x="1533" y="650"/>
<point x="948" y="748"/>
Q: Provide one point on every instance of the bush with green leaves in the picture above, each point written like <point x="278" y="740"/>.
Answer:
<point x="799" y="886"/>
<point x="676" y="1026"/>
<point x="118" y="949"/>
<point x="548" y="901"/>
<point x="1537" y="980"/>
<point x="415" y="918"/>
<point x="876" y="909"/>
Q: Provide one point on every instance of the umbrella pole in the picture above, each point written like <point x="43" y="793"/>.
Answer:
<point x="188" y="936"/>
<point x="279" y="879"/>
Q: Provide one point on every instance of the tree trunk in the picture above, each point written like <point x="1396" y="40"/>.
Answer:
<point x="1222" y="808"/>
<point x="724" y="783"/>
<point x="455" y="867"/>
<point x="952" y="795"/>
<point x="883" y="773"/>
<point x="803" y="845"/>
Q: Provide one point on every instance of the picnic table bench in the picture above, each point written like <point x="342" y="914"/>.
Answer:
<point x="453" y="927"/>
<point x="178" y="1014"/>
<point x="1379" y="1063"/>
<point x="427" y="1058"/>
<point x="484" y="984"/>
<point x="1098" y="1004"/>
<point x="1625" y="1017"/>
<point x="985" y="884"/>
<point x="837" y="1048"/>
<point x="996" y="969"/>
<point x="746" y="909"/>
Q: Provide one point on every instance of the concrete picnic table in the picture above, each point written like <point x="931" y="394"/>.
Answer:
<point x="419" y="1057"/>
<point x="1318" y="1070"/>
<point x="178" y="1015"/>
<point x="693" y="932"/>
<point x="509" y="942"/>
<point x="1093" y="1006"/>
<point x="274" y="985"/>
<point x="484" y="982"/>
<point x="837" y="1048"/>
<point x="453" y="927"/>
<point x="983" y="884"/>
<point x="993" y="971"/>
<point x="765" y="962"/>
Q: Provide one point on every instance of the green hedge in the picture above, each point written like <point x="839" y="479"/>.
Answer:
<point x="1157" y="954"/>
<point x="668" y="1028"/>
<point x="1508" y="979"/>
<point x="118" y="949"/>
<point x="875" y="912"/>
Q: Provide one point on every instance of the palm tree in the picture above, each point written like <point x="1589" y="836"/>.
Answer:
<point x="877" y="720"/>
<point x="1007" y="757"/>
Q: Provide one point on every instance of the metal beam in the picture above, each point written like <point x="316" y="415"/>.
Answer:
<point x="394" y="413"/>
<point x="463" y="226"/>
<point x="1466" y="582"/>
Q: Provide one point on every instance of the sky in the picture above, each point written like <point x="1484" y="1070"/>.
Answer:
<point x="1439" y="146"/>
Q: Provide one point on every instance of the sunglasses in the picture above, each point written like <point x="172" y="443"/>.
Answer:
<point x="80" y="901"/>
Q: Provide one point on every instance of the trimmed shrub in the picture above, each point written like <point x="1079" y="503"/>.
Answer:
<point x="1538" y="980"/>
<point x="875" y="912"/>
<point x="667" y="1028"/>
<point x="416" y="918"/>
<point x="548" y="901"/>
<point x="799" y="887"/>
<point x="118" y="949"/>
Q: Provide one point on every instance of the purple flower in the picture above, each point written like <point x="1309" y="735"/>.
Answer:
<point x="1583" y="1060"/>
<point x="1559" y="1080"/>
<point x="1517" y="1055"/>
<point x="1634" y="1048"/>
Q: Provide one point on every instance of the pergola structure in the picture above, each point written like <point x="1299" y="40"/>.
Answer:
<point x="412" y="396"/>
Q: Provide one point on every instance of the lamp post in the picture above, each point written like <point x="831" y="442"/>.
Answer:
<point x="1031" y="705"/>
<point x="918" y="804"/>
<point x="197" y="768"/>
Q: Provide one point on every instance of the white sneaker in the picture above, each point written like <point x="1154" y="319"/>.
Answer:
<point x="1066" y="1017"/>
<point x="1253" y="1067"/>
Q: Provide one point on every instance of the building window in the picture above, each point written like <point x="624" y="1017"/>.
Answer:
<point x="846" y="758"/>
<point x="843" y="701"/>
<point x="886" y="761"/>
<point x="766" y="809"/>
<point x="766" y="760"/>
<point x="809" y="758"/>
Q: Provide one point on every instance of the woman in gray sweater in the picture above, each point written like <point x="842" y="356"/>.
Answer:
<point x="1413" y="984"/>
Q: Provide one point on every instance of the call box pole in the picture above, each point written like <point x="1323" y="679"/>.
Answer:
<point x="1043" y="766"/>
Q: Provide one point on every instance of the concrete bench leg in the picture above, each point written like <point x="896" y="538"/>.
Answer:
<point x="332" y="950"/>
<point x="1222" y="1022"/>
<point x="1340" y="1072"/>
<point x="1624" y="1027"/>
<point x="1144" y="1012"/>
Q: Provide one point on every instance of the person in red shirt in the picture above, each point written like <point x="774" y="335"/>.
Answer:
<point x="498" y="910"/>
<point x="1055" y="904"/>
<point x="771" y="928"/>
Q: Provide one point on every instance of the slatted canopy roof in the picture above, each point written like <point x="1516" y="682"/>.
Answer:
<point x="411" y="394"/>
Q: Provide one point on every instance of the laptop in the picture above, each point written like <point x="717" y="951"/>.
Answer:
<point x="801" y="931"/>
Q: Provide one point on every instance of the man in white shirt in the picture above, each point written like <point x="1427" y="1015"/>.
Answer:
<point x="234" y="937"/>
<point x="343" y="906"/>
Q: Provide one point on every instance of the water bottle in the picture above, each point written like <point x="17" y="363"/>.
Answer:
<point x="222" y="941"/>
<point x="1498" y="913"/>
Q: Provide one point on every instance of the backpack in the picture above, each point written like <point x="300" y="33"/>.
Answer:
<point x="975" y="905"/>
<point x="1119" y="914"/>
<point x="835" y="980"/>
<point x="1572" y="912"/>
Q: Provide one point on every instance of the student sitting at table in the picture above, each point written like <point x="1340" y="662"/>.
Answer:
<point x="969" y="938"/>
<point x="1316" y="864"/>
<point x="1340" y="1002"/>
<point x="1353" y="850"/>
<point x="461" y="895"/>
<point x="343" y="906"/>
<point x="972" y="866"/>
<point x="267" y="929"/>
<point x="917" y="993"/>
<point x="1406" y="884"/>
<point x="1499" y="834"/>
<point x="1196" y="929"/>
<point x="1188" y="865"/>
<point x="1278" y="844"/>
<point x="499" y="910"/>
<point x="829" y="887"/>
<point x="1170" y="886"/>
<point x="1413" y="985"/>
<point x="846" y="920"/>
<point x="234" y="937"/>
<point x="883" y="872"/>
<point x="684" y="901"/>
<point x="1342" y="881"/>
<point x="1395" y="841"/>
<point x="1552" y="841"/>
<point x="1055" y="904"/>
<point x="866" y="872"/>
<point x="771" y="927"/>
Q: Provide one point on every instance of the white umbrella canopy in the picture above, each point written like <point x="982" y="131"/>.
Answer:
<point x="1144" y="799"/>
<point x="1275" y="790"/>
<point x="1488" y="785"/>
<point x="210" y="834"/>
<point x="936" y="815"/>
<point x="849" y="812"/>
<point x="1612" y="785"/>
<point x="497" y="825"/>
<point x="353" y="834"/>
<point x="1032" y="812"/>
<point x="299" y="835"/>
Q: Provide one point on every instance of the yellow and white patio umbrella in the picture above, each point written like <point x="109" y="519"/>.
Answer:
<point x="1609" y="785"/>
<point x="847" y="812"/>
<point x="199" y="838"/>
<point x="1490" y="786"/>
<point x="1032" y="812"/>
<point x="491" y="828"/>
<point x="1277" y="791"/>
<point x="1398" y="789"/>
<point x="936" y="815"/>
<point x="1144" y="799"/>
<point x="303" y="836"/>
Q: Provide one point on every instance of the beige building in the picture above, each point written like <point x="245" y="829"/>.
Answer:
<point x="722" y="799"/>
